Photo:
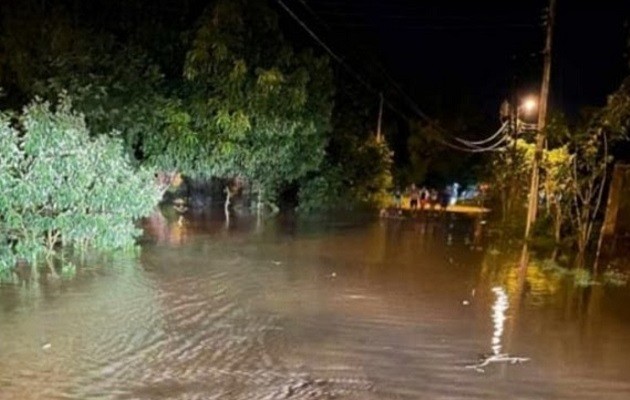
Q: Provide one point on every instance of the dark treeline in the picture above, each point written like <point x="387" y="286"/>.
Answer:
<point x="205" y="89"/>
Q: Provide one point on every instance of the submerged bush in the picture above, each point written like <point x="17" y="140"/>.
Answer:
<point x="616" y="278"/>
<point x="59" y="186"/>
<point x="362" y="179"/>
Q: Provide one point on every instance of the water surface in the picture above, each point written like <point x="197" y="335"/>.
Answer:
<point x="342" y="308"/>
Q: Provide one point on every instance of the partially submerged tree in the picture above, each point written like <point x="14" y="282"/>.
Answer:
<point x="557" y="181"/>
<point x="592" y="159"/>
<point x="59" y="186"/>
<point x="509" y="172"/>
<point x="356" y="170"/>
<point x="240" y="103"/>
<point x="261" y="110"/>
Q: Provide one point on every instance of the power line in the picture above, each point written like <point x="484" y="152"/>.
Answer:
<point x="321" y="43"/>
<point x="414" y="106"/>
<point x="337" y="58"/>
<point x="392" y="81"/>
<point x="484" y="141"/>
<point x="468" y="149"/>
<point x="439" y="27"/>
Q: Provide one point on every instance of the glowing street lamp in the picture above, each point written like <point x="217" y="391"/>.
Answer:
<point x="529" y="105"/>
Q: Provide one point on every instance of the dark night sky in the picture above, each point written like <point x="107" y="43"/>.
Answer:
<point x="452" y="55"/>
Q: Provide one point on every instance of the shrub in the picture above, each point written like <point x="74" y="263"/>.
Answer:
<point x="59" y="186"/>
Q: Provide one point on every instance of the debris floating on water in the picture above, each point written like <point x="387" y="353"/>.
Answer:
<point x="496" y="358"/>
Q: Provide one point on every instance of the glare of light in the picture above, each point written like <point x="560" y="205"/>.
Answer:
<point x="498" y="318"/>
<point x="530" y="104"/>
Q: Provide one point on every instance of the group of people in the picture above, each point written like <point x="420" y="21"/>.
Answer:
<point x="424" y="198"/>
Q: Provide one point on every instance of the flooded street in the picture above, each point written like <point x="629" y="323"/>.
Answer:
<point x="318" y="310"/>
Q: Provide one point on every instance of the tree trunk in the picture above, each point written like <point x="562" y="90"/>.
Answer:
<point x="504" y="205"/>
<point x="259" y="203"/>
<point x="557" y="223"/>
<point x="228" y="198"/>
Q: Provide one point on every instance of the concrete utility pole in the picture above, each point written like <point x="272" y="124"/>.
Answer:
<point x="379" y="135"/>
<point x="532" y="209"/>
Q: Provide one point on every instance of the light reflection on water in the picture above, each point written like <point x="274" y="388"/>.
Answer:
<point x="281" y="308"/>
<point x="498" y="318"/>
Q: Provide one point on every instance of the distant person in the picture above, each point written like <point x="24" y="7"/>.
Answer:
<point x="414" y="197"/>
<point x="434" y="199"/>
<point x="424" y="197"/>
<point x="445" y="198"/>
<point x="454" y="194"/>
<point x="397" y="198"/>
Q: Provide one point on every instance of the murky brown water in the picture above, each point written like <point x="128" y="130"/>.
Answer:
<point x="286" y="310"/>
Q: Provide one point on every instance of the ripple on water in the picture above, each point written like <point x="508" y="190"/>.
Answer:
<point x="220" y="321"/>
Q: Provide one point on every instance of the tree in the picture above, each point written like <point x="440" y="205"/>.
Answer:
<point x="575" y="173"/>
<point x="59" y="186"/>
<point x="592" y="144"/>
<point x="357" y="169"/>
<point x="116" y="85"/>
<point x="557" y="180"/>
<point x="261" y="110"/>
<point x="508" y="173"/>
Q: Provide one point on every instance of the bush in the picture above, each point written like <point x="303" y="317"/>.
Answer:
<point x="363" y="178"/>
<point x="59" y="186"/>
<point x="323" y="191"/>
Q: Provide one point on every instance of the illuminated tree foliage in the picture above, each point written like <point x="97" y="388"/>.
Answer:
<point x="263" y="108"/>
<point x="59" y="186"/>
<point x="508" y="172"/>
<point x="556" y="183"/>
<point x="574" y="171"/>
<point x="592" y="145"/>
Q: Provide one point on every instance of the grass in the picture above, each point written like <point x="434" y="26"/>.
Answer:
<point x="615" y="278"/>
<point x="583" y="277"/>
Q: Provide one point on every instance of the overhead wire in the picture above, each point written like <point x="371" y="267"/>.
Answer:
<point x="472" y="147"/>
<point x="493" y="146"/>
<point x="321" y="43"/>
<point x="499" y="145"/>
<point x="339" y="59"/>
<point x="484" y="141"/>
<point x="388" y="77"/>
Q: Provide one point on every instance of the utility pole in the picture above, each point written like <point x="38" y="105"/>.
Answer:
<point x="532" y="209"/>
<point x="379" y="135"/>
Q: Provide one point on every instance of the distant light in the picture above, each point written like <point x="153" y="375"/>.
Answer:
<point x="530" y="104"/>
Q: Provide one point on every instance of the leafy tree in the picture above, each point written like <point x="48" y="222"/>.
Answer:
<point x="238" y="102"/>
<point x="575" y="174"/>
<point x="261" y="110"/>
<point x="509" y="172"/>
<point x="557" y="180"/>
<point x="592" y="144"/>
<point x="363" y="179"/>
<point x="116" y="86"/>
<point x="357" y="168"/>
<point x="60" y="186"/>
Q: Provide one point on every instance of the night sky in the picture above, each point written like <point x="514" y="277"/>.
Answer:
<point x="454" y="56"/>
<point x="450" y="58"/>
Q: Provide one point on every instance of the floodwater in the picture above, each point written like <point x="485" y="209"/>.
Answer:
<point x="283" y="309"/>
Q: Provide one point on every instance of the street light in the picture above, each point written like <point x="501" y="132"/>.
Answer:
<point x="529" y="105"/>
